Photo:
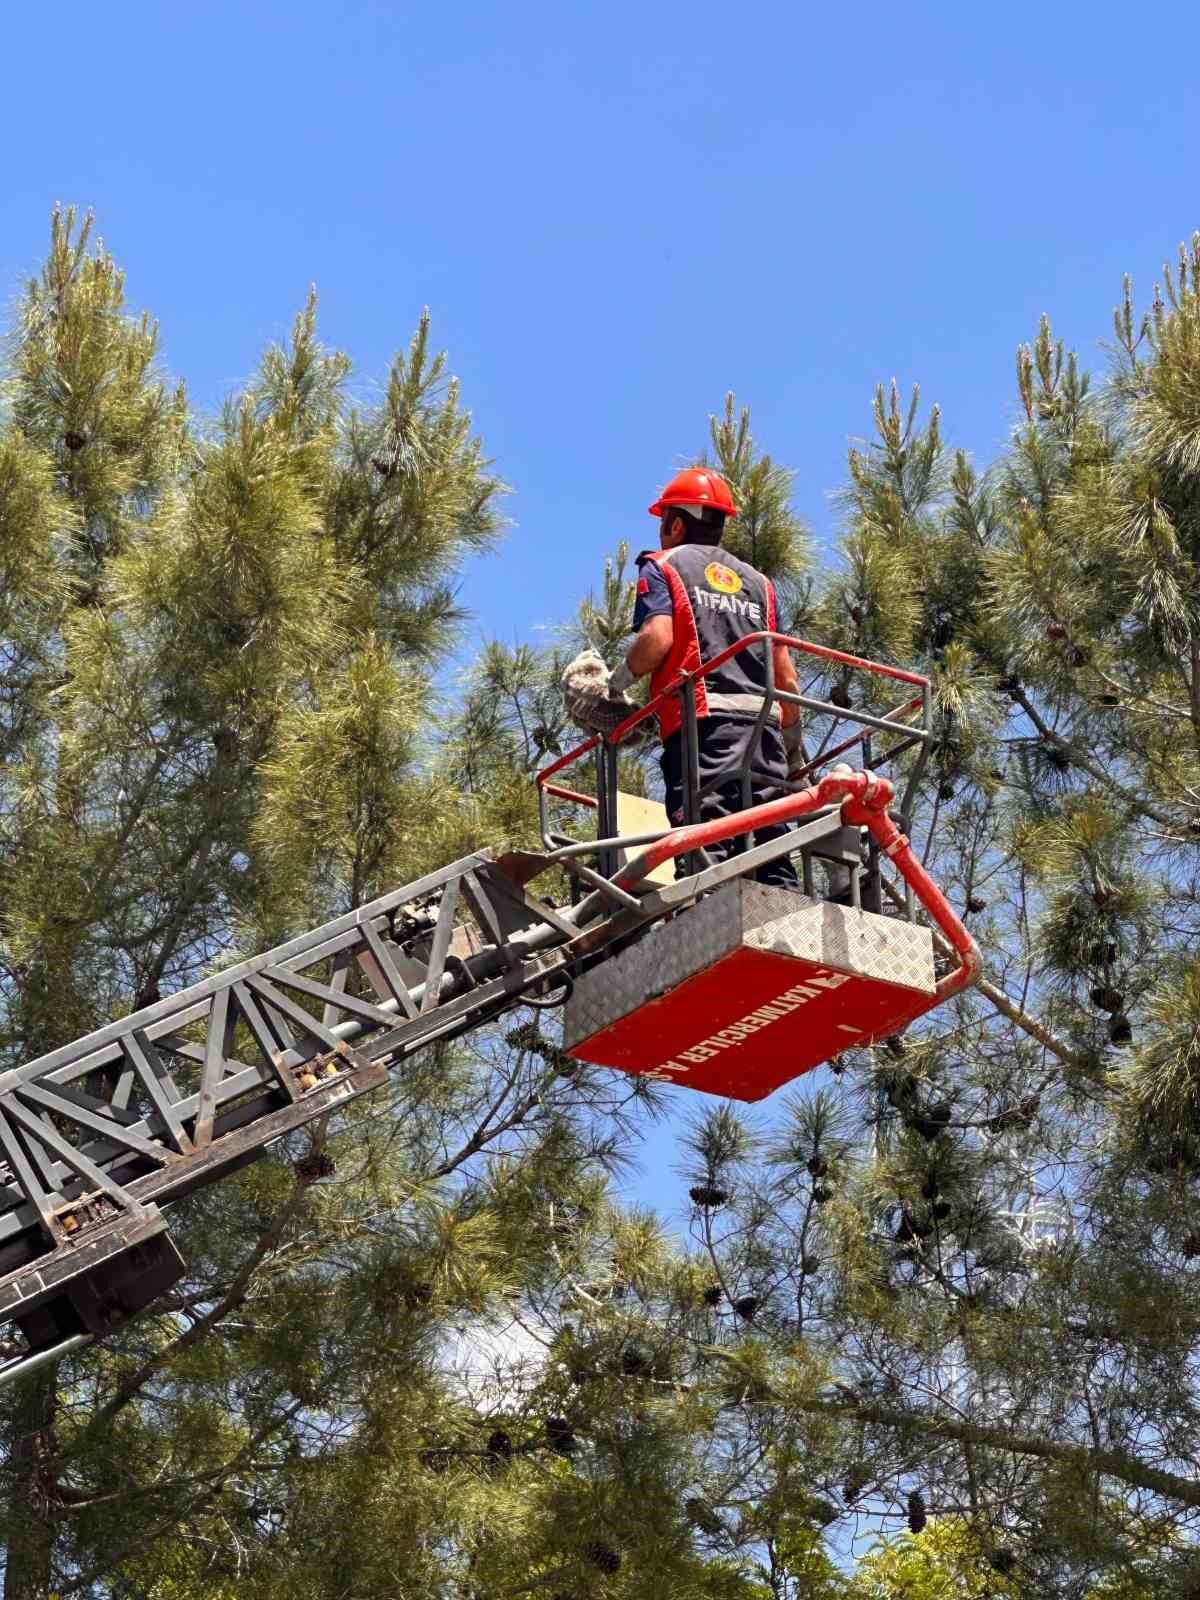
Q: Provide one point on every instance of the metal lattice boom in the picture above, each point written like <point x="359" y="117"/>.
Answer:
<point x="95" y="1135"/>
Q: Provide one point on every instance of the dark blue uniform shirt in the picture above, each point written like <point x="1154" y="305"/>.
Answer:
<point x="653" y="595"/>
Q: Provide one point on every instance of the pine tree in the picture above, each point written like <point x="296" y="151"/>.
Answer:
<point x="426" y="1349"/>
<point x="217" y="702"/>
<point x="958" y="1284"/>
<point x="1013" y="1227"/>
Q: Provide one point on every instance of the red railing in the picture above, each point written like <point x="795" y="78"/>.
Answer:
<point x="676" y="685"/>
<point x="864" y="798"/>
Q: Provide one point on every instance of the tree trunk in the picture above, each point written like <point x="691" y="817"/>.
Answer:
<point x="31" y="1442"/>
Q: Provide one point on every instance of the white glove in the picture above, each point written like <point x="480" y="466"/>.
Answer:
<point x="588" y="696"/>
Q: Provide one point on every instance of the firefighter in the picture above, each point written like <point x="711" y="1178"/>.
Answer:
<point x="693" y="601"/>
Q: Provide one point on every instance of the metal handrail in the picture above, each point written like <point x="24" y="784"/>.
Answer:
<point x="682" y="687"/>
<point x="864" y="799"/>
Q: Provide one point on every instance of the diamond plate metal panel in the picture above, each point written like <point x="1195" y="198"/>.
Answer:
<point x="757" y="917"/>
<point x="858" y="942"/>
<point x="660" y="960"/>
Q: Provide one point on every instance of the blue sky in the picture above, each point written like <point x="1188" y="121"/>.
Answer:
<point x="615" y="213"/>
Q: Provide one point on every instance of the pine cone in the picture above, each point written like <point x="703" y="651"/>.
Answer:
<point x="900" y="1089"/>
<point x="857" y="1480"/>
<point x="1055" y="630"/>
<point x="1001" y="1559"/>
<point x="317" y="1164"/>
<point x="810" y="1265"/>
<point x="1190" y="1248"/>
<point x="894" y="1045"/>
<point x="942" y="1210"/>
<point x="634" y="1362"/>
<point x="818" y="1167"/>
<point x="526" y="1037"/>
<point x="916" y="1512"/>
<point x="1106" y="998"/>
<point x="933" y="1121"/>
<point x="839" y="696"/>
<point x="746" y="1306"/>
<point x="945" y="790"/>
<point x="1120" y="1031"/>
<point x="606" y="1559"/>
<point x="74" y="441"/>
<point x="499" y="1445"/>
<point x="929" y="1189"/>
<point x="707" y="1194"/>
<point x="560" y="1436"/>
<point x="821" y="1193"/>
<point x="976" y="904"/>
<point x="712" y="1295"/>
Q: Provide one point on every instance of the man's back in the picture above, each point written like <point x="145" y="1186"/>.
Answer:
<point x="716" y="599"/>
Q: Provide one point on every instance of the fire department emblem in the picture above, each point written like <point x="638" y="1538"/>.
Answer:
<point x="722" y="578"/>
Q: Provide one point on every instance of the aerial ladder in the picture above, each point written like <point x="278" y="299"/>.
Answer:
<point x="707" y="979"/>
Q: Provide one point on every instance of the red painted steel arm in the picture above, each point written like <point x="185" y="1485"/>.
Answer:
<point x="565" y="761"/>
<point x="791" y="643"/>
<point x="895" y="845"/>
<point x="560" y="793"/>
<point x="864" y="799"/>
<point x="810" y="649"/>
<point x="786" y="639"/>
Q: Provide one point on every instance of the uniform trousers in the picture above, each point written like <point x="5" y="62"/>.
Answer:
<point x="725" y="742"/>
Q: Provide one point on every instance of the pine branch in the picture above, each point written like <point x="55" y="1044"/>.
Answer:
<point x="234" y="1296"/>
<point x="1023" y="1020"/>
<point x="1085" y="764"/>
<point x="214" y="1482"/>
<point x="1112" y="1463"/>
<point x="1107" y="1461"/>
<point x="1007" y="1008"/>
<point x="484" y="1134"/>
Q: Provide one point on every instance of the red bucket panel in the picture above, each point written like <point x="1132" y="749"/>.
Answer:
<point x="749" y="1022"/>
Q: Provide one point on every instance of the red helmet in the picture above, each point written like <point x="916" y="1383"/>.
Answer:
<point x="696" y="486"/>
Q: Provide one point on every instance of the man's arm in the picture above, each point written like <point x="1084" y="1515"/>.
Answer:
<point x="654" y="625"/>
<point x="786" y="679"/>
<point x="649" y="650"/>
